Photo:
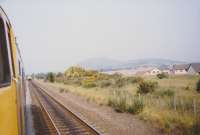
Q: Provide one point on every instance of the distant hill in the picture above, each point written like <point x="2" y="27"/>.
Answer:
<point x="100" y="63"/>
<point x="110" y="64"/>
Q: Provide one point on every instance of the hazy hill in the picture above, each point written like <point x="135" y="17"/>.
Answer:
<point x="100" y="63"/>
<point x="109" y="64"/>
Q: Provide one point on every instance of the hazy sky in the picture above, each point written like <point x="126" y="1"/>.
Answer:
<point x="54" y="34"/>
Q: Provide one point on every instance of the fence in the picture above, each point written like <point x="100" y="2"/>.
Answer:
<point x="179" y="104"/>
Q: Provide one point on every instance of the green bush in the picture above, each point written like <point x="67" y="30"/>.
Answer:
<point x="116" y="76"/>
<point x="51" y="77"/>
<point x="133" y="80"/>
<point x="105" y="83"/>
<point x="111" y="101"/>
<point x="162" y="75"/>
<point x="137" y="106"/>
<point x="120" y="82"/>
<point x="102" y="76"/>
<point x="62" y="90"/>
<point x="147" y="87"/>
<point x="167" y="93"/>
<point x="187" y="87"/>
<point x="118" y="101"/>
<point x="122" y="101"/>
<point x="138" y="79"/>
<point x="196" y="127"/>
<point x="74" y="81"/>
<point x="121" y="104"/>
<point x="88" y="83"/>
<point x="198" y="86"/>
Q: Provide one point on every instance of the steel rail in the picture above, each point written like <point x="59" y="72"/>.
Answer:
<point x="47" y="113"/>
<point x="77" y="118"/>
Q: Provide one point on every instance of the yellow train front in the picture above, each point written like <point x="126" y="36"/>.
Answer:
<point x="12" y="84"/>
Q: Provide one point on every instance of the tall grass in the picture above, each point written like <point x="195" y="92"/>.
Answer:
<point x="123" y="101"/>
<point x="173" y="105"/>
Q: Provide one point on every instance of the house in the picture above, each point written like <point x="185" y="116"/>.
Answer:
<point x="149" y="71"/>
<point x="155" y="71"/>
<point x="181" y="69"/>
<point x="165" y="70"/>
<point x="194" y="69"/>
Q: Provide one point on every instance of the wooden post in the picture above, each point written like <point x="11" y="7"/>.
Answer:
<point x="182" y="105"/>
<point x="174" y="103"/>
<point x="194" y="107"/>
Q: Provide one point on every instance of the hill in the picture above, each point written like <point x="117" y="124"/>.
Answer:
<point x="110" y="64"/>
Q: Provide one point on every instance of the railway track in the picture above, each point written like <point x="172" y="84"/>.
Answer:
<point x="58" y="118"/>
<point x="42" y="123"/>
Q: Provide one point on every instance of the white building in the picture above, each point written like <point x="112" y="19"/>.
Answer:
<point x="194" y="69"/>
<point x="181" y="69"/>
<point x="155" y="71"/>
<point x="152" y="71"/>
<point x="167" y="71"/>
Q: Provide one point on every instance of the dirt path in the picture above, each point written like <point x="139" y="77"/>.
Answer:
<point x="105" y="118"/>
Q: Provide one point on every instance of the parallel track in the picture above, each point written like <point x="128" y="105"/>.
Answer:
<point x="42" y="122"/>
<point x="64" y="121"/>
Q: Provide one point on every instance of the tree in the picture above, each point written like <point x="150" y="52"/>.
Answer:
<point x="51" y="77"/>
<point x="198" y="86"/>
<point x="59" y="74"/>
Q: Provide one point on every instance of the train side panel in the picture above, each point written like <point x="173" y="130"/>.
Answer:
<point x="11" y="95"/>
<point x="8" y="111"/>
<point x="18" y="65"/>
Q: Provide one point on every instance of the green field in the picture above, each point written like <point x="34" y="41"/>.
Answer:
<point x="173" y="105"/>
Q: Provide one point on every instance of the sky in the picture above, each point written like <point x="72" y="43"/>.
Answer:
<point x="55" y="34"/>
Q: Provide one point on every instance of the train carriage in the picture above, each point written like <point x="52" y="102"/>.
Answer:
<point x="12" y="88"/>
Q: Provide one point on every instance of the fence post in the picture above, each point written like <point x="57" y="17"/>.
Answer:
<point x="182" y="105"/>
<point x="194" y="107"/>
<point x="175" y="103"/>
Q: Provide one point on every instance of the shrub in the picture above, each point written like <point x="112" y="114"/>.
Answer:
<point x="76" y="81"/>
<point x="121" y="104"/>
<point x="187" y="87"/>
<point x="138" y="79"/>
<point x="198" y="86"/>
<point x="102" y="76"/>
<point x="111" y="101"/>
<point x="137" y="106"/>
<point x="118" y="100"/>
<point x="88" y="83"/>
<point x="122" y="101"/>
<point x="162" y="75"/>
<point x="61" y="90"/>
<point x="120" y="82"/>
<point x="196" y="127"/>
<point x="105" y="83"/>
<point x="168" y="93"/>
<point x="134" y="79"/>
<point x="147" y="87"/>
<point x="116" y="76"/>
<point x="50" y="77"/>
<point x="74" y="72"/>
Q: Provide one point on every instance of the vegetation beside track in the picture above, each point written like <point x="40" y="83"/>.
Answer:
<point x="171" y="103"/>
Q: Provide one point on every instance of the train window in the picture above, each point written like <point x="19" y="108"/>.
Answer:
<point x="19" y="68"/>
<point x="5" y="76"/>
<point x="9" y="37"/>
